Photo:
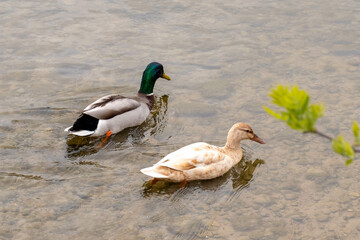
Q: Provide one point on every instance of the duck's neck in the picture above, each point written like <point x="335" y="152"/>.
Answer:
<point x="234" y="150"/>
<point x="233" y="140"/>
<point x="232" y="144"/>
<point x="147" y="83"/>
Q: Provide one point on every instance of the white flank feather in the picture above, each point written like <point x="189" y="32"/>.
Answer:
<point x="150" y="171"/>
<point x="81" y="133"/>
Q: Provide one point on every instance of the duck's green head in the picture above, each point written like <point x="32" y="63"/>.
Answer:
<point x="152" y="72"/>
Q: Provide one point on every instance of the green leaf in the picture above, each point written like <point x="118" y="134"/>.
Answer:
<point x="356" y="131"/>
<point x="348" y="162"/>
<point x="343" y="147"/>
<point x="272" y="113"/>
<point x="298" y="114"/>
<point x="305" y="104"/>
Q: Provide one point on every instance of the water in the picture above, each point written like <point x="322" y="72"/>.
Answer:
<point x="223" y="58"/>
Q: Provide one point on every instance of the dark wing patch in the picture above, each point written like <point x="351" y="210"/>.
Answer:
<point x="85" y="122"/>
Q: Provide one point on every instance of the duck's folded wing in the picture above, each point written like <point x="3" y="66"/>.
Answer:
<point x="110" y="106"/>
<point x="190" y="157"/>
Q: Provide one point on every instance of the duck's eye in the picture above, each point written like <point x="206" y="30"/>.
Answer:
<point x="246" y="130"/>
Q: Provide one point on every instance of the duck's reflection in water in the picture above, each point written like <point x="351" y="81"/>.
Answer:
<point x="156" y="122"/>
<point x="240" y="176"/>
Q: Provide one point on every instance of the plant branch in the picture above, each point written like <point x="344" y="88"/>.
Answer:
<point x="323" y="135"/>
<point x="356" y="149"/>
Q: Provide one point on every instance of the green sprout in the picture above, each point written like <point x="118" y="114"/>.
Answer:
<point x="299" y="115"/>
<point x="356" y="132"/>
<point x="343" y="148"/>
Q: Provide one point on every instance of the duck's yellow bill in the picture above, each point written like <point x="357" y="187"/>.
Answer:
<point x="166" y="77"/>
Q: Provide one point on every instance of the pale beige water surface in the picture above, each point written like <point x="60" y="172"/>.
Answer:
<point x="223" y="56"/>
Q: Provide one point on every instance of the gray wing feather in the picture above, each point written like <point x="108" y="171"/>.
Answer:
<point x="110" y="106"/>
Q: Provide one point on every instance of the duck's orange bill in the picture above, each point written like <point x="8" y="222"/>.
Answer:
<point x="257" y="139"/>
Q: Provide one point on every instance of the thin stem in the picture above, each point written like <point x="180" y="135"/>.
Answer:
<point x="356" y="149"/>
<point x="323" y="135"/>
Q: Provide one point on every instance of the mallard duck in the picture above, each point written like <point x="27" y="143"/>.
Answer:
<point x="200" y="160"/>
<point x="113" y="113"/>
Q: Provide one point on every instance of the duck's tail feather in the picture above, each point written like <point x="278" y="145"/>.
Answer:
<point x="81" y="133"/>
<point x="151" y="171"/>
<point x="85" y="125"/>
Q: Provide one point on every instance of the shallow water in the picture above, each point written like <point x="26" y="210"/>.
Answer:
<point x="223" y="58"/>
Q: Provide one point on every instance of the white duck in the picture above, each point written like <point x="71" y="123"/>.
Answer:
<point x="200" y="160"/>
<point x="113" y="113"/>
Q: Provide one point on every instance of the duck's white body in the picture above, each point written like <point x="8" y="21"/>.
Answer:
<point x="196" y="161"/>
<point x="200" y="160"/>
<point x="120" y="122"/>
<point x="115" y="113"/>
